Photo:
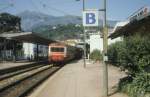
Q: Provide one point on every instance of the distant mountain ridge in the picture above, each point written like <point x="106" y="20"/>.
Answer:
<point x="32" y="19"/>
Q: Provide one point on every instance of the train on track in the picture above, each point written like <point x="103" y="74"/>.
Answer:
<point x="61" y="53"/>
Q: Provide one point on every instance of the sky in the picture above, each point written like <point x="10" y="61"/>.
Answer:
<point x="116" y="9"/>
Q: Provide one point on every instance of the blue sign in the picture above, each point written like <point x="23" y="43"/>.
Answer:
<point x="90" y="18"/>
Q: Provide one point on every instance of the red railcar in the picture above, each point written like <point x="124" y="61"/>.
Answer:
<point x="61" y="53"/>
<point x="56" y="52"/>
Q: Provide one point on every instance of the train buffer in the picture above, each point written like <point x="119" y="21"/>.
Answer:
<point x="73" y="80"/>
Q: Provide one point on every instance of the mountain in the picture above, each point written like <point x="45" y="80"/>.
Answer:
<point x="31" y="19"/>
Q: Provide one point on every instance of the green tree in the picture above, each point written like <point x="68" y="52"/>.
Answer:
<point x="9" y="23"/>
<point x="133" y="54"/>
<point x="62" y="32"/>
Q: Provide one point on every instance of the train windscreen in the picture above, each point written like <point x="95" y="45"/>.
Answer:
<point x="56" y="49"/>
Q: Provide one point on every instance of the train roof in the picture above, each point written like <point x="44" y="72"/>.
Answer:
<point x="57" y="43"/>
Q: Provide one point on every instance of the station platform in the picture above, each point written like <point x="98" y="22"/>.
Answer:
<point x="73" y="80"/>
<point x="5" y="65"/>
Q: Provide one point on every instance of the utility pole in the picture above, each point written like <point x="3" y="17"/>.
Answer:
<point x="84" y="37"/>
<point x="84" y="34"/>
<point x="105" y="44"/>
<point x="105" y="58"/>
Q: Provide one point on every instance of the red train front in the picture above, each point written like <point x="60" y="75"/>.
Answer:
<point x="57" y="53"/>
<point x="61" y="53"/>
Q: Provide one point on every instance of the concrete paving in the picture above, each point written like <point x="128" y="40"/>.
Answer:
<point x="73" y="80"/>
<point x="5" y="65"/>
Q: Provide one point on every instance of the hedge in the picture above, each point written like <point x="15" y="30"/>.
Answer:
<point x="96" y="55"/>
<point x="133" y="54"/>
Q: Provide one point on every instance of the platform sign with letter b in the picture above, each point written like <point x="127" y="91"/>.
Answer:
<point x="90" y="18"/>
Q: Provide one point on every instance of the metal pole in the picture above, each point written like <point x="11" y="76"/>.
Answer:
<point x="37" y="52"/>
<point x="83" y="5"/>
<point x="105" y="44"/>
<point x="4" y="49"/>
<point x="14" y="51"/>
<point x="84" y="47"/>
<point x="84" y="38"/>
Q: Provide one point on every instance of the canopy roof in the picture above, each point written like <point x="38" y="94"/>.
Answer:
<point x="136" y="26"/>
<point x="29" y="37"/>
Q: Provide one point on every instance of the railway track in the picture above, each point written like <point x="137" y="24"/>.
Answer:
<point x="20" y="83"/>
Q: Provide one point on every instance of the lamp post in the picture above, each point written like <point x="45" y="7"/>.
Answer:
<point x="105" y="58"/>
<point x="83" y="5"/>
<point x="84" y="40"/>
<point x="105" y="44"/>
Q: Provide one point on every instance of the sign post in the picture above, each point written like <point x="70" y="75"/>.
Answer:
<point x="90" y="19"/>
<point x="105" y="58"/>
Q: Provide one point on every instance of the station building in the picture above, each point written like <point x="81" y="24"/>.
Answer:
<point x="96" y="42"/>
<point x="30" y="50"/>
<point x="23" y="46"/>
<point x="138" y="22"/>
<point x="117" y="26"/>
<point x="96" y="38"/>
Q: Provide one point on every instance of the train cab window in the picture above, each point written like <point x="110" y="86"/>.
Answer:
<point x="54" y="49"/>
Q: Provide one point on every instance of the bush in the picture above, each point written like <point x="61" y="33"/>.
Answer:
<point x="116" y="53"/>
<point x="133" y="54"/>
<point x="137" y="86"/>
<point x="96" y="55"/>
<point x="138" y="53"/>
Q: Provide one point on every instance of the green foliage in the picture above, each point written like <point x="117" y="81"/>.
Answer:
<point x="138" y="53"/>
<point x="116" y="53"/>
<point x="62" y="32"/>
<point x="139" y="86"/>
<point x="133" y="54"/>
<point x="96" y="55"/>
<point x="9" y="23"/>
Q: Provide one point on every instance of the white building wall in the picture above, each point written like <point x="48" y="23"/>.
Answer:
<point x="117" y="26"/>
<point x="110" y="41"/>
<point x="96" y="42"/>
<point x="28" y="50"/>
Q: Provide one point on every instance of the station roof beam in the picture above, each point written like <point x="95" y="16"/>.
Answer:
<point x="29" y="37"/>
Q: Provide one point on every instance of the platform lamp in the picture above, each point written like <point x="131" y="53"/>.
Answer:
<point x="83" y="8"/>
<point x="105" y="46"/>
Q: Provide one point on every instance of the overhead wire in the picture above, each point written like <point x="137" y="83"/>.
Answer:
<point x="34" y="5"/>
<point x="6" y="6"/>
<point x="44" y="5"/>
<point x="61" y="2"/>
<point x="55" y="9"/>
<point x="12" y="2"/>
<point x="37" y="8"/>
<point x="58" y="10"/>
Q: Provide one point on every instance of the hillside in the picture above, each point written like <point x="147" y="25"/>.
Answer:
<point x="61" y="32"/>
<point x="32" y="19"/>
<point x="43" y="23"/>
